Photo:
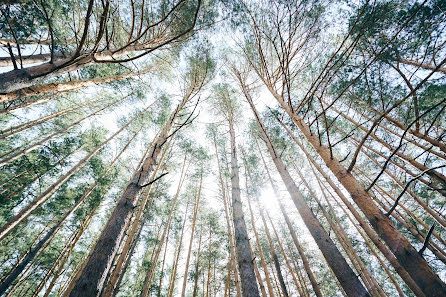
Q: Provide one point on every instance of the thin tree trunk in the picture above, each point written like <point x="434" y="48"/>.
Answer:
<point x="18" y="153"/>
<point x="259" y="248"/>
<point x="371" y="284"/>
<point x="64" y="87"/>
<point x="244" y="257"/>
<point x="160" y="285"/>
<point x="194" y="222"/>
<point x="259" y="277"/>
<point x="18" y="104"/>
<point x="119" y="269"/>
<point x="22" y="127"/>
<point x="268" y="235"/>
<point x="304" y="258"/>
<point x="422" y="65"/>
<point x="408" y="257"/>
<point x="50" y="234"/>
<point x="26" y="212"/>
<point x="296" y="282"/>
<point x="228" y="224"/>
<point x="372" y="235"/>
<point x="25" y="59"/>
<point x="177" y="256"/>
<point x="209" y="263"/>
<point x="364" y="237"/>
<point x="150" y="274"/>
<point x="347" y="278"/>
<point x="197" y="266"/>
<point x="90" y="280"/>
<point x="440" y="179"/>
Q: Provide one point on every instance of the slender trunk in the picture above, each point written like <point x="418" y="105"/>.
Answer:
<point x="65" y="258"/>
<point x="259" y="248"/>
<point x="422" y="65"/>
<point x="119" y="269"/>
<point x="244" y="257"/>
<point x="372" y="235"/>
<point x="150" y="274"/>
<point x="209" y="263"/>
<point x="132" y="250"/>
<point x="14" y="154"/>
<point x="282" y="250"/>
<point x="64" y="87"/>
<point x="25" y="59"/>
<point x="368" y="280"/>
<point x="435" y="142"/>
<point x="90" y="280"/>
<point x="18" y="190"/>
<point x="364" y="237"/>
<point x="50" y="234"/>
<point x="177" y="256"/>
<point x="36" y="203"/>
<point x="347" y="278"/>
<point x="440" y="179"/>
<point x="194" y="222"/>
<point x="259" y="278"/>
<point x="160" y="285"/>
<point x="228" y="278"/>
<point x="304" y="258"/>
<point x="407" y="256"/>
<point x="22" y="127"/>
<point x="434" y="213"/>
<point x="268" y="235"/>
<point x="228" y="224"/>
<point x="404" y="221"/>
<point x="18" y="104"/>
<point x="275" y="258"/>
<point x="197" y="266"/>
<point x="414" y="142"/>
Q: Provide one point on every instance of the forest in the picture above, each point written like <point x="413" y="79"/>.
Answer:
<point x="245" y="148"/>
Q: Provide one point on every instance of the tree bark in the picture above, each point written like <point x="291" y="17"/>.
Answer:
<point x="347" y="278"/>
<point x="408" y="257"/>
<point x="50" y="234"/>
<point x="69" y="86"/>
<point x="304" y="258"/>
<point x="26" y="212"/>
<point x="244" y="257"/>
<point x="228" y="224"/>
<point x="194" y="222"/>
<point x="90" y="281"/>
<point x="150" y="274"/>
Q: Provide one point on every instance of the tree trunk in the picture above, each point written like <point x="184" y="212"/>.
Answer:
<point x="25" y="59"/>
<point x="150" y="274"/>
<point x="194" y="222"/>
<point x="422" y="65"/>
<point x="50" y="234"/>
<point x="14" y="154"/>
<point x="259" y="248"/>
<point x="177" y="256"/>
<point x="407" y="256"/>
<point x="244" y="257"/>
<point x="228" y="224"/>
<point x="296" y="282"/>
<point x="24" y="126"/>
<point x="69" y="86"/>
<point x="26" y="212"/>
<point x="268" y="235"/>
<point x="197" y="266"/>
<point x="371" y="284"/>
<point x="90" y="280"/>
<point x="347" y="278"/>
<point x="304" y="258"/>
